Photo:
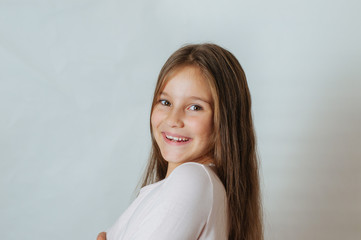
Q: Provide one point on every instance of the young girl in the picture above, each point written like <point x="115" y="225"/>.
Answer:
<point x="202" y="179"/>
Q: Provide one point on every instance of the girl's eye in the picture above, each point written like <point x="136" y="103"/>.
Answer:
<point x="195" y="108"/>
<point x="164" y="102"/>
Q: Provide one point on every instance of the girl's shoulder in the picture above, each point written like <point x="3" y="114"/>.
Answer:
<point x="192" y="171"/>
<point x="194" y="177"/>
<point x="190" y="175"/>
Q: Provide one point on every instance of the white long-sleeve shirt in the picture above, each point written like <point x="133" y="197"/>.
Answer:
<point x="190" y="204"/>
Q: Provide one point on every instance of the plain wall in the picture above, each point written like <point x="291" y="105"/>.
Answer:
<point x="76" y="83"/>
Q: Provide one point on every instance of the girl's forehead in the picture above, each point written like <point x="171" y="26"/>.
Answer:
<point x="185" y="69"/>
<point x="185" y="82"/>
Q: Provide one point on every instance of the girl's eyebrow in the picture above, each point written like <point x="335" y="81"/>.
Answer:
<point x="163" y="93"/>
<point x="191" y="97"/>
<point x="200" y="99"/>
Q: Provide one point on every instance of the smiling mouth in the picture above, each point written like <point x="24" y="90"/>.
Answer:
<point x="177" y="139"/>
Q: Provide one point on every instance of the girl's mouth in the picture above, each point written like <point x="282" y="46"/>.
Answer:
<point x="175" y="139"/>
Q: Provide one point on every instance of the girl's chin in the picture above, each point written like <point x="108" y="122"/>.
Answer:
<point x="171" y="156"/>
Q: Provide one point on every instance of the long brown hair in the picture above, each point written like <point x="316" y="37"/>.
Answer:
<point x="234" y="151"/>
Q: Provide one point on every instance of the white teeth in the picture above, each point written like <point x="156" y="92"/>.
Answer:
<point x="177" y="139"/>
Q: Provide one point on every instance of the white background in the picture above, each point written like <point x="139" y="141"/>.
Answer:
<point x="76" y="83"/>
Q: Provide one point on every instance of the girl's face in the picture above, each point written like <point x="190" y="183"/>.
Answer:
<point x="182" y="119"/>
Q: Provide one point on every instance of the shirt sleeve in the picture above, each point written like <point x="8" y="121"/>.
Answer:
<point x="183" y="206"/>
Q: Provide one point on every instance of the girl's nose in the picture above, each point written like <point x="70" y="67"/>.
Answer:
<point x="175" y="118"/>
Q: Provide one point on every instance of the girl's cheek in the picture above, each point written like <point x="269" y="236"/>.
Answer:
<point x="156" y="117"/>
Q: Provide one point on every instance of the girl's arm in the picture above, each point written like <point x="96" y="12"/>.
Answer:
<point x="178" y="210"/>
<point x="181" y="209"/>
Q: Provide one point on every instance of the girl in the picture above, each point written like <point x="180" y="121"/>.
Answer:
<point x="202" y="179"/>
